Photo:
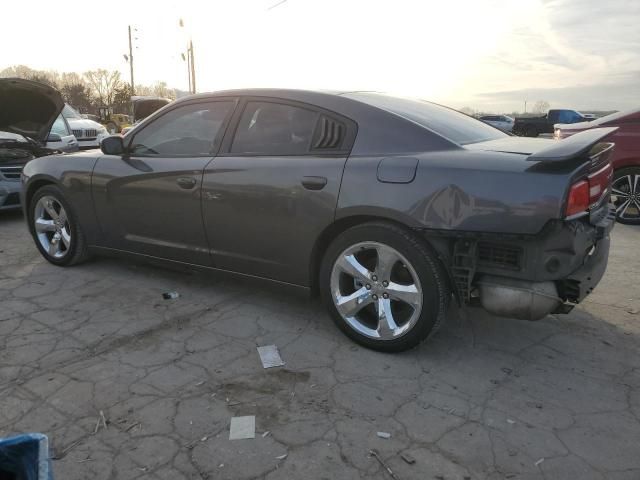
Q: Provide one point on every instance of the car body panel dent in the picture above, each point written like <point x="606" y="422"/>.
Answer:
<point x="487" y="192"/>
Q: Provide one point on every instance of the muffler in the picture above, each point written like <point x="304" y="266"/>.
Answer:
<point x="513" y="298"/>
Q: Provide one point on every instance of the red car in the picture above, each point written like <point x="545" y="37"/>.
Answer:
<point x="625" y="159"/>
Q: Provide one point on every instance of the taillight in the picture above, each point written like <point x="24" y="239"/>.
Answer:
<point x="586" y="193"/>
<point x="599" y="183"/>
<point x="578" y="200"/>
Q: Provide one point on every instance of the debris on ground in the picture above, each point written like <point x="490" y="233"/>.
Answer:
<point x="270" y="356"/>
<point x="242" y="427"/>
<point x="170" y="295"/>
<point x="281" y="457"/>
<point x="102" y="422"/>
<point x="132" y="426"/>
<point x="407" y="458"/>
<point x="375" y="455"/>
<point x="539" y="462"/>
<point x="383" y="434"/>
<point x="633" y="311"/>
<point x="265" y="434"/>
<point x="507" y="370"/>
<point x="510" y="422"/>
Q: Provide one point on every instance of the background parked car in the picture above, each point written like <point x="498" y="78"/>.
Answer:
<point x="503" y="122"/>
<point x="61" y="138"/>
<point x="29" y="110"/>
<point x="88" y="133"/>
<point x="534" y="126"/>
<point x="625" y="159"/>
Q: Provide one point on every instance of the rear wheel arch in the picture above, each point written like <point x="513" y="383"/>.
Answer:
<point x="439" y="246"/>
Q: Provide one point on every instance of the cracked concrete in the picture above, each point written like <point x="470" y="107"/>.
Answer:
<point x="486" y="398"/>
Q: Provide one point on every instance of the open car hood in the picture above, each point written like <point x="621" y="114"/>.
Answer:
<point x="28" y="108"/>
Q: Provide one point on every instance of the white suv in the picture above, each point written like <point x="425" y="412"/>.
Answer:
<point x="88" y="133"/>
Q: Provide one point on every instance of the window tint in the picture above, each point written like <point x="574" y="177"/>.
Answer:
<point x="274" y="129"/>
<point x="60" y="127"/>
<point x="187" y="130"/>
<point x="569" y="116"/>
<point x="450" y="124"/>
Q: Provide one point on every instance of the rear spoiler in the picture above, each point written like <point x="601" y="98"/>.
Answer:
<point x="573" y="147"/>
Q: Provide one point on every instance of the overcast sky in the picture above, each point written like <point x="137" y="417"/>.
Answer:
<point x="486" y="54"/>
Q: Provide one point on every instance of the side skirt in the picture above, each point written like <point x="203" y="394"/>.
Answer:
<point x="298" y="290"/>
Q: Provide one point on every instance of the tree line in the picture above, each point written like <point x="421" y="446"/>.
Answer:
<point x="90" y="90"/>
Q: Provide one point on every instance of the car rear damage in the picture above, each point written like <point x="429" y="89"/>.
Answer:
<point x="529" y="276"/>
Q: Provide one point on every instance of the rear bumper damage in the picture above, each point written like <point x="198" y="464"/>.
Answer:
<point x="545" y="292"/>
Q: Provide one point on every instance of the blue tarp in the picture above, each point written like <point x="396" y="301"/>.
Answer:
<point x="25" y="457"/>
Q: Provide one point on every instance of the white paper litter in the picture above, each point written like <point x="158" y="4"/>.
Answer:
<point x="281" y="457"/>
<point x="384" y="435"/>
<point x="539" y="462"/>
<point x="270" y="356"/>
<point x="242" y="427"/>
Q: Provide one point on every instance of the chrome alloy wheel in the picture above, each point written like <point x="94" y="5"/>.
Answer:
<point x="376" y="290"/>
<point x="52" y="228"/>
<point x="626" y="197"/>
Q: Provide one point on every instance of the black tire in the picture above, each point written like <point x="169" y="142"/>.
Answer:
<point x="77" y="251"/>
<point x="424" y="261"/>
<point x="618" y="175"/>
<point x="530" y="131"/>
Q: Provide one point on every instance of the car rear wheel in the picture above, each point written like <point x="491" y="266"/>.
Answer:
<point x="530" y="131"/>
<point x="55" y="229"/>
<point x="625" y="195"/>
<point x="384" y="287"/>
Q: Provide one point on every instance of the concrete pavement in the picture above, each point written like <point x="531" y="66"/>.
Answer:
<point x="486" y="398"/>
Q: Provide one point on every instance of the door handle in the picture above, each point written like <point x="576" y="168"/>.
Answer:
<point x="314" y="183"/>
<point x="186" y="182"/>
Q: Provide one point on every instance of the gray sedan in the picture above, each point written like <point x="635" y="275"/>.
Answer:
<point x="388" y="207"/>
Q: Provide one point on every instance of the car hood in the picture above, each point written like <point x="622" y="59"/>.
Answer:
<point x="521" y="145"/>
<point x="77" y="123"/>
<point x="28" y="108"/>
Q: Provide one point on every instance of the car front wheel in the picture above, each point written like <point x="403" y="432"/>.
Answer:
<point x="625" y="195"/>
<point x="55" y="229"/>
<point x="384" y="287"/>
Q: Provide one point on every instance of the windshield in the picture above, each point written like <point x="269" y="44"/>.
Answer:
<point x="69" y="112"/>
<point x="446" y="122"/>
<point x="615" y="116"/>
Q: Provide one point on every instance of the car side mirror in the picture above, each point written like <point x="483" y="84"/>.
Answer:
<point x="112" y="145"/>
<point x="54" y="137"/>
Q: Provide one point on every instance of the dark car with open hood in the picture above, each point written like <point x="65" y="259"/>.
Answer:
<point x="387" y="207"/>
<point x="28" y="110"/>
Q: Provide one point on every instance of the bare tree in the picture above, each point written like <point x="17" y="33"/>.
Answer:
<point x="49" y="77"/>
<point x="103" y="84"/>
<point x="541" y="106"/>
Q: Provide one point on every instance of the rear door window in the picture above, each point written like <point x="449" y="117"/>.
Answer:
<point x="269" y="128"/>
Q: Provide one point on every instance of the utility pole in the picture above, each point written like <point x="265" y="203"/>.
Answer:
<point x="193" y="67"/>
<point x="133" y="88"/>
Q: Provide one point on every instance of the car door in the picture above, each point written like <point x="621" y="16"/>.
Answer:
<point x="274" y="187"/>
<point x="148" y="201"/>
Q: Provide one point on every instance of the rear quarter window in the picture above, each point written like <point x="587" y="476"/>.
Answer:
<point x="446" y="122"/>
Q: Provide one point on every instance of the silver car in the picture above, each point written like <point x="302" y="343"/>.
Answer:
<point x="503" y="122"/>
